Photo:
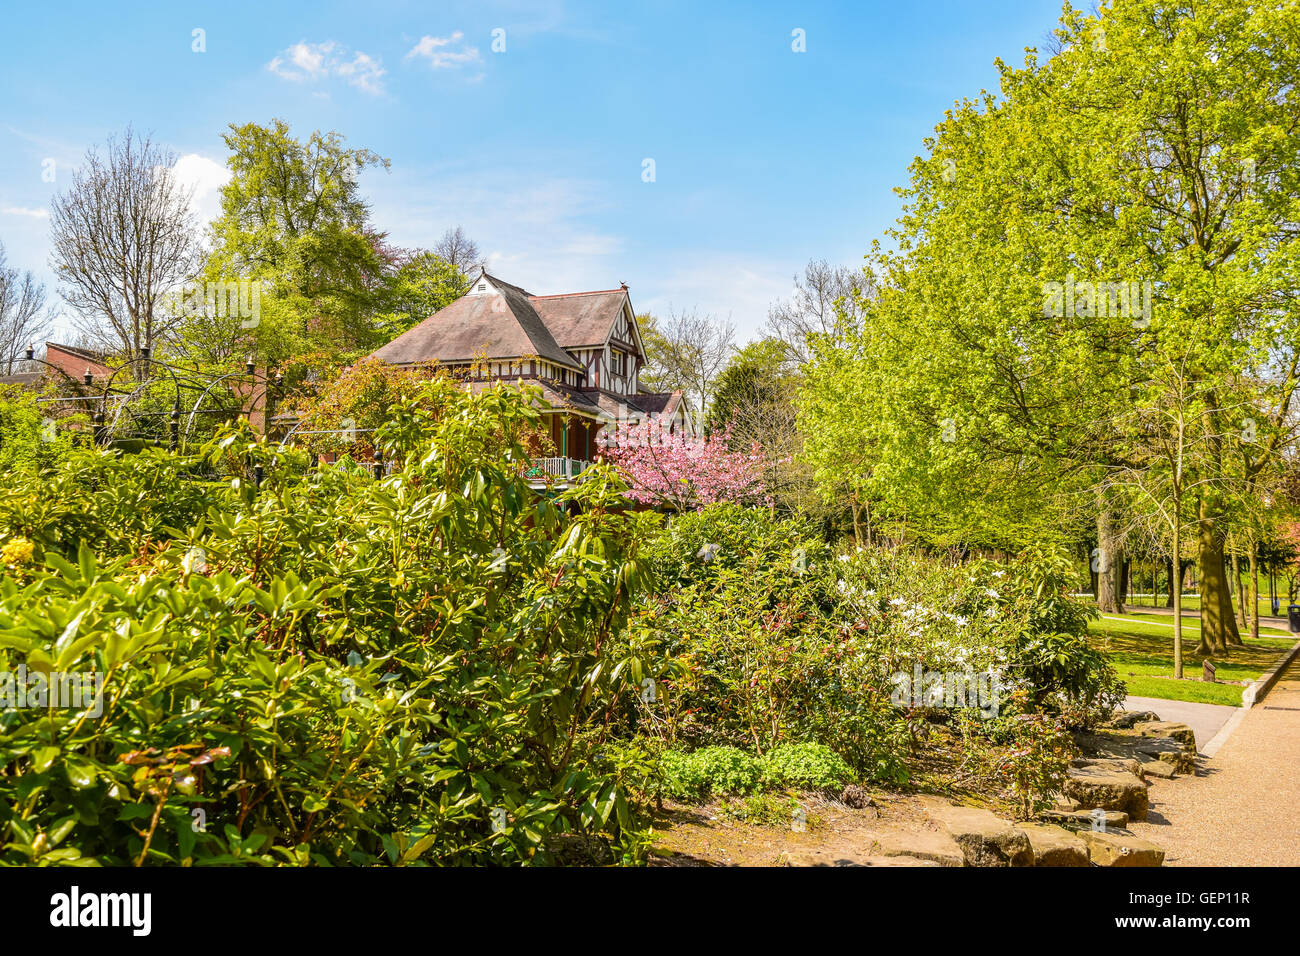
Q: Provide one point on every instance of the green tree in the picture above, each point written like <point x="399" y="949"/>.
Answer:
<point x="292" y="217"/>
<point x="1126" y="202"/>
<point x="422" y="283"/>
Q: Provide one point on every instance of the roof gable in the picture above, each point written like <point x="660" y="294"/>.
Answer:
<point x="581" y="318"/>
<point x="498" y="323"/>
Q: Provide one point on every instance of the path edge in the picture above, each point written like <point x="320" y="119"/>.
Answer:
<point x="1250" y="696"/>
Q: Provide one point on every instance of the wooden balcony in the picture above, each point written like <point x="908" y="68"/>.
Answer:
<point x="554" y="470"/>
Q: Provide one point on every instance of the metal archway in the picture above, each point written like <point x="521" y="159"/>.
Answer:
<point x="105" y="430"/>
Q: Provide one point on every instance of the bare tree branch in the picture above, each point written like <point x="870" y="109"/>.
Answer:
<point x="124" y="237"/>
<point x="824" y="298"/>
<point x="23" y="317"/>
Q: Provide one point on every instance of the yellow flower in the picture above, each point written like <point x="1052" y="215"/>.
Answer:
<point x="16" y="551"/>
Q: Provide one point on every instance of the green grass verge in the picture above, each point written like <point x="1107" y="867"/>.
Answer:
<point x="1142" y="649"/>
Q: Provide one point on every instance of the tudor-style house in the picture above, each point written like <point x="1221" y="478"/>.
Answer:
<point x="583" y="348"/>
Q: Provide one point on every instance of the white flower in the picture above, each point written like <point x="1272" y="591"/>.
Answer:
<point x="998" y="574"/>
<point x="897" y="601"/>
<point x="991" y="593"/>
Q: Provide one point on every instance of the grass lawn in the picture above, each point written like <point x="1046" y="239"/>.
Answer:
<point x="1141" y="646"/>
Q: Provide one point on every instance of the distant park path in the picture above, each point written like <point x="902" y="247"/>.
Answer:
<point x="1264" y="619"/>
<point x="1243" y="806"/>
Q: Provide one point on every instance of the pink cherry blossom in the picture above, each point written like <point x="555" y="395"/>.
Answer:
<point x="680" y="471"/>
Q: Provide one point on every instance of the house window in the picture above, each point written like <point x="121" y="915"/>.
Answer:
<point x="482" y="286"/>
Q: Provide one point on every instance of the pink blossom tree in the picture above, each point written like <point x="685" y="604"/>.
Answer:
<point x="679" y="471"/>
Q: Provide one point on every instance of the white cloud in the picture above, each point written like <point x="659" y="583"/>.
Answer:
<point x="313" y="62"/>
<point x="539" y="234"/>
<point x="436" y="51"/>
<point x="731" y="286"/>
<point x="206" y="177"/>
<point x="24" y="211"/>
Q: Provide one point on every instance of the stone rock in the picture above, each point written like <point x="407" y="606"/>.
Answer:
<point x="985" y="840"/>
<point x="1083" y="819"/>
<point x="1061" y="802"/>
<point x="1110" y="790"/>
<point x="1170" y="751"/>
<point x="1127" y="718"/>
<point x="1055" y="846"/>
<point x="1121" y="849"/>
<point x="1160" y="769"/>
<point x="856" y="797"/>
<point x="930" y="845"/>
<point x="814" y="856"/>
<point x="1168" y="728"/>
<point x="1112" y="764"/>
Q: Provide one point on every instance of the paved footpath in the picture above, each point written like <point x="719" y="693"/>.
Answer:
<point x="1205" y="719"/>
<point x="1243" y="806"/>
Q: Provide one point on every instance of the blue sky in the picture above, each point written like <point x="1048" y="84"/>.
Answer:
<point x="763" y="157"/>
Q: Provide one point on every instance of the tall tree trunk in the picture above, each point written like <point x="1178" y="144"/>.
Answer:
<point x="1110" y="563"/>
<point x="1169" y="568"/>
<point x="1236" y="600"/>
<point x="1217" y="618"/>
<point x="1254" y="588"/>
<point x="1124" y="578"/>
<point x="857" y="524"/>
<point x="1176" y="596"/>
<point x="1237" y="586"/>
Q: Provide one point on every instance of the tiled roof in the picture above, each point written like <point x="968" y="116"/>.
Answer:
<point x="580" y="318"/>
<point x="554" y="394"/>
<point x="494" y="326"/>
<point x="479" y="326"/>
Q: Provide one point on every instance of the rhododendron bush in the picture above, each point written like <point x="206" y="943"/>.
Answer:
<point x="771" y="639"/>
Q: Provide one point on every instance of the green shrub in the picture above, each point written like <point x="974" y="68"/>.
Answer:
<point x="1051" y="651"/>
<point x="1034" y="761"/>
<point x="327" y="668"/>
<point x="709" y="771"/>
<point x="697" y="547"/>
<point x="756" y="652"/>
<point x="806" y="766"/>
